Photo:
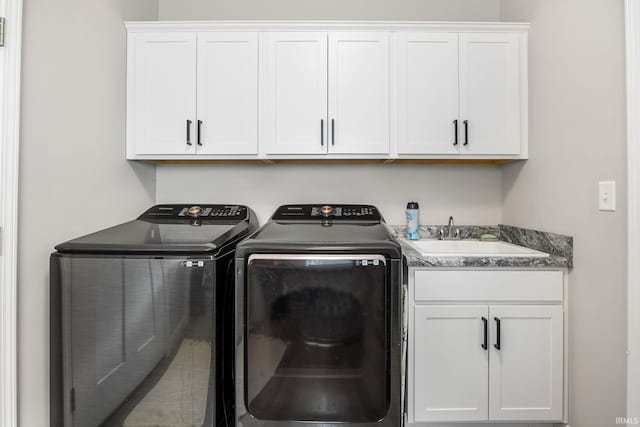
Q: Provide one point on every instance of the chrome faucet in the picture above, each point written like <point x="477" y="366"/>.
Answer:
<point x="450" y="226"/>
<point x="451" y="234"/>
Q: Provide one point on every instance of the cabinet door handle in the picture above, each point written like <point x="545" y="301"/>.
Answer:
<point x="199" y="132"/>
<point x="497" y="344"/>
<point x="322" y="132"/>
<point x="333" y="132"/>
<point x="189" y="132"/>
<point x="486" y="333"/>
<point x="455" y="132"/>
<point x="466" y="132"/>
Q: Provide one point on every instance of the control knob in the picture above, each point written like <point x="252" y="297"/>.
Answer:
<point x="194" y="211"/>
<point x="326" y="210"/>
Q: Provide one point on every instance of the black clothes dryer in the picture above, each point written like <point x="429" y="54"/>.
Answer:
<point x="318" y="320"/>
<point x="137" y="316"/>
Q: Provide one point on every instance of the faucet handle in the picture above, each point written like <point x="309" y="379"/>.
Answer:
<point x="441" y="234"/>
<point x="457" y="233"/>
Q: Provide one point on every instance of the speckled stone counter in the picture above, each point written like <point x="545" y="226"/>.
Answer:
<point x="559" y="248"/>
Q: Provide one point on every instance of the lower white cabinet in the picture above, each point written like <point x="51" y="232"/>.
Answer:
<point x="450" y="376"/>
<point x="479" y="360"/>
<point x="525" y="369"/>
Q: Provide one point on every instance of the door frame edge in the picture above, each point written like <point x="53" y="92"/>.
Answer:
<point x="10" y="134"/>
<point x="632" y="47"/>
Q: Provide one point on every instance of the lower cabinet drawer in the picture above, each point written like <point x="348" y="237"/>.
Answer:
<point x="479" y="285"/>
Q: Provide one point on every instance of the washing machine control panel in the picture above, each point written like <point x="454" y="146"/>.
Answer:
<point x="196" y="211"/>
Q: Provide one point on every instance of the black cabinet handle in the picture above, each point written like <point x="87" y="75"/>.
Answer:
<point x="322" y="132"/>
<point x="497" y="344"/>
<point x="466" y="132"/>
<point x="486" y="333"/>
<point x="199" y="132"/>
<point x="189" y="132"/>
<point x="333" y="132"/>
<point x="455" y="132"/>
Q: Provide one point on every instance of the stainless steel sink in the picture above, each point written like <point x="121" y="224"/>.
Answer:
<point x="472" y="248"/>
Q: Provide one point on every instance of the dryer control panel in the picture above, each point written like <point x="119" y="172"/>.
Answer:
<point x="196" y="211"/>
<point x="366" y="213"/>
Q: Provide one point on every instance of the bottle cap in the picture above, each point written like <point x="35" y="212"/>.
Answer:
<point x="412" y="205"/>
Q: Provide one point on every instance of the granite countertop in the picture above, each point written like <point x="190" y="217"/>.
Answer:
<point x="559" y="248"/>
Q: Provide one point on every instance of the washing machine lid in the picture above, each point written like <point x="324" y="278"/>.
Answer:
<point x="168" y="229"/>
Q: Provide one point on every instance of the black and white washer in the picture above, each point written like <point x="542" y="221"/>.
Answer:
<point x="137" y="315"/>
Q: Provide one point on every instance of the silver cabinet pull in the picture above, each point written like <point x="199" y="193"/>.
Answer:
<point x="189" y="132"/>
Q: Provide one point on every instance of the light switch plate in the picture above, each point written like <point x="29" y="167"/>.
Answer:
<point x="607" y="196"/>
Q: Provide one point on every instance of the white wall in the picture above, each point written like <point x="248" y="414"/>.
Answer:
<point x="139" y="10"/>
<point x="470" y="193"/>
<point x="577" y="138"/>
<point x="410" y="10"/>
<point x="73" y="176"/>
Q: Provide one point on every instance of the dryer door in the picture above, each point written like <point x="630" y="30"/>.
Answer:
<point x="317" y="338"/>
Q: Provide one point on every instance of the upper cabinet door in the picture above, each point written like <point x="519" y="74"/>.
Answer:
<point x="359" y="92"/>
<point x="428" y="93"/>
<point x="296" y="93"/>
<point x="227" y="93"/>
<point x="490" y="93"/>
<point x="526" y="371"/>
<point x="162" y="103"/>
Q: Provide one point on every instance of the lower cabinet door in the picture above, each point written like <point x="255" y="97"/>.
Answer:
<point x="450" y="363"/>
<point x="526" y="363"/>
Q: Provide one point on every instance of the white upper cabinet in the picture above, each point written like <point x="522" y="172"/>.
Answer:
<point x="308" y="72"/>
<point x="192" y="93"/>
<point x="227" y="93"/>
<point x="296" y="93"/>
<point x="359" y="92"/>
<point x="428" y="93"/>
<point x="326" y="90"/>
<point x="490" y="106"/>
<point x="162" y="93"/>
<point x="460" y="93"/>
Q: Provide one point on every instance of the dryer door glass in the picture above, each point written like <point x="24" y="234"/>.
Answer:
<point x="317" y="334"/>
